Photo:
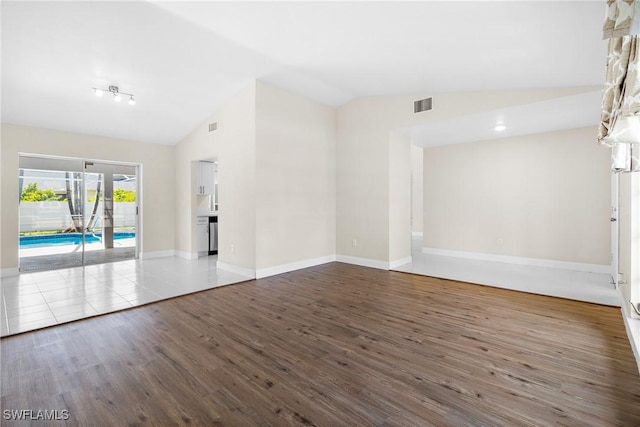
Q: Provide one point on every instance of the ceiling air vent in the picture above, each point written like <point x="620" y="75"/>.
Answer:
<point x="422" y="105"/>
<point x="213" y="126"/>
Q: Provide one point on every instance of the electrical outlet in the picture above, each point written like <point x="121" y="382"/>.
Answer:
<point x="500" y="241"/>
<point x="354" y="242"/>
<point x="233" y="248"/>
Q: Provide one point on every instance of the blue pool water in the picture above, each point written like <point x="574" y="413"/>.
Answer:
<point x="68" y="239"/>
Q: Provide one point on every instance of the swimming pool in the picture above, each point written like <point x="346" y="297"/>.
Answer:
<point x="69" y="239"/>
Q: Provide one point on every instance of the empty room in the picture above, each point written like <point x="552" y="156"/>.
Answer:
<point x="320" y="213"/>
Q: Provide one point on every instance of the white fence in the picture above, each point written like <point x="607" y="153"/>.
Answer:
<point x="45" y="216"/>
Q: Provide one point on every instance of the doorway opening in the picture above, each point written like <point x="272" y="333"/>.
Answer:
<point x="76" y="212"/>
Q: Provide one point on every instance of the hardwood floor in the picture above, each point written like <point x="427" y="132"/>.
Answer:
<point x="333" y="345"/>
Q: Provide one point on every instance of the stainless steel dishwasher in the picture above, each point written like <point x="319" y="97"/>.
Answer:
<point x="213" y="235"/>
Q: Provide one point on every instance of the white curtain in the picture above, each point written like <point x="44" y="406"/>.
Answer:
<point x="620" y="120"/>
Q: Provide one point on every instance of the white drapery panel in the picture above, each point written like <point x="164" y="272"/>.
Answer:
<point x="620" y="117"/>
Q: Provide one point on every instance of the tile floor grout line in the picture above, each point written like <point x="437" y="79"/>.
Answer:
<point x="50" y="309"/>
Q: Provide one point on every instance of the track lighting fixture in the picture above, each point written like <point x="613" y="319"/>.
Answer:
<point x="116" y="94"/>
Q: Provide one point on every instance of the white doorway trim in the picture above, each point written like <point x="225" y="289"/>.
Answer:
<point x="615" y="229"/>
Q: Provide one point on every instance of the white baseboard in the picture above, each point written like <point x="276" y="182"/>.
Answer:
<point x="632" y="326"/>
<point x="157" y="254"/>
<point x="298" y="265"/>
<point x="365" y="262"/>
<point x="9" y="272"/>
<point x="397" y="263"/>
<point x="537" y="262"/>
<point x="417" y="234"/>
<point x="243" y="271"/>
<point x="186" y="255"/>
<point x="633" y="333"/>
<point x="285" y="268"/>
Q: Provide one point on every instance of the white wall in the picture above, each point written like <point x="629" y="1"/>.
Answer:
<point x="417" y="189"/>
<point x="233" y="144"/>
<point x="236" y="179"/>
<point x="295" y="179"/>
<point x="362" y="178"/>
<point x="363" y="127"/>
<point x="542" y="196"/>
<point x="399" y="199"/>
<point x="199" y="144"/>
<point x="158" y="180"/>
<point x="276" y="180"/>
<point x="629" y="223"/>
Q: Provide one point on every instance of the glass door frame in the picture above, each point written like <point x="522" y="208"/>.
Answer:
<point x="120" y="167"/>
<point x="79" y="165"/>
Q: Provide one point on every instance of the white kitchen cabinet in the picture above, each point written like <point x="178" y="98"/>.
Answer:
<point x="205" y="178"/>
<point x="202" y="235"/>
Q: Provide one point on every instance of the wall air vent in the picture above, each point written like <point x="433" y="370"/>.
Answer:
<point x="213" y="126"/>
<point x="422" y="105"/>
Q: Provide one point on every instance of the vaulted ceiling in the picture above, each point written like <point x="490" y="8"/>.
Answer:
<point x="182" y="60"/>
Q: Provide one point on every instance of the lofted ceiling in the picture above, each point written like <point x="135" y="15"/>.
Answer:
<point x="182" y="59"/>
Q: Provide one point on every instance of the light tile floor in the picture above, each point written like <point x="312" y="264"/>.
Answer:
<point x="556" y="282"/>
<point x="36" y="300"/>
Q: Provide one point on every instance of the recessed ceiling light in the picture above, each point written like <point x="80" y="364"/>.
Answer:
<point x="499" y="127"/>
<point x="99" y="92"/>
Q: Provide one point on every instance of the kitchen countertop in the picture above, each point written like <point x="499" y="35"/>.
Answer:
<point x="211" y="213"/>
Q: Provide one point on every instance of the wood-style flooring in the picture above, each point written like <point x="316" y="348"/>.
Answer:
<point x="333" y="345"/>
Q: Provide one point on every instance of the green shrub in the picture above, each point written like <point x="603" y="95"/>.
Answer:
<point x="31" y="193"/>
<point x="120" y="195"/>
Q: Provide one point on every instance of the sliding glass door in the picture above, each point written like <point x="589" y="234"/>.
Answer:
<point x="75" y="212"/>
<point x="111" y="213"/>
